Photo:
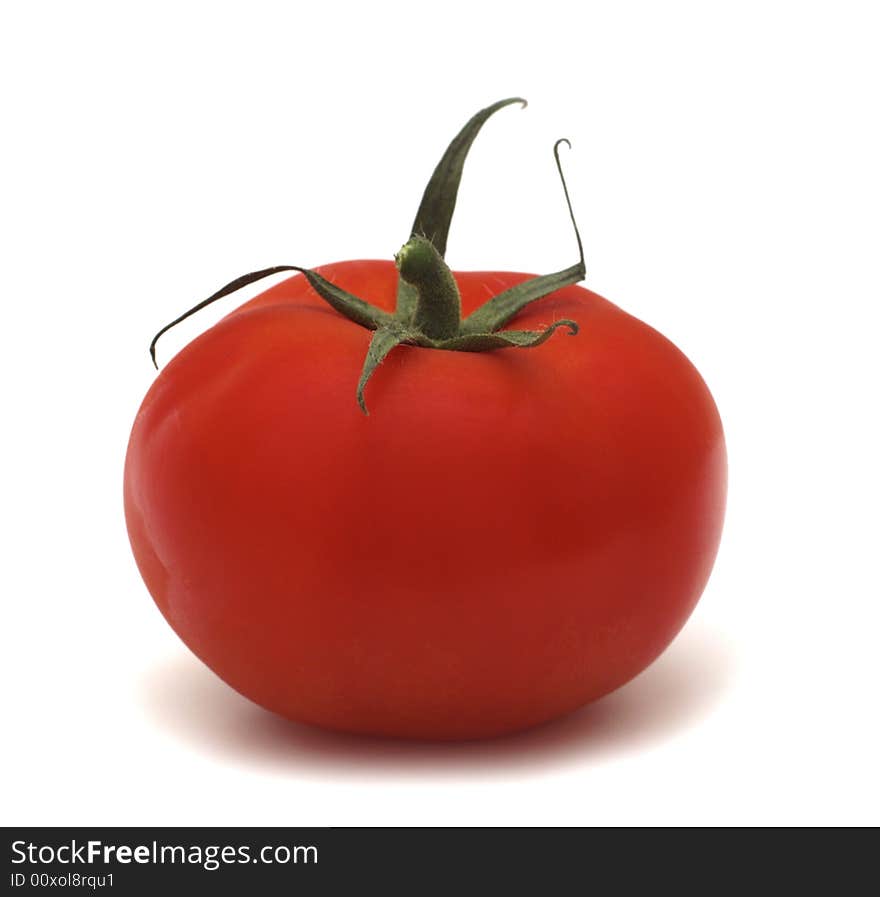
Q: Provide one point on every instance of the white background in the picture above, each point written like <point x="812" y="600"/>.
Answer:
<point x="725" y="172"/>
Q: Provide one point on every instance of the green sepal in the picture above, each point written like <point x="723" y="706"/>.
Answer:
<point x="438" y="202"/>
<point x="383" y="341"/>
<point x="434" y="216"/>
<point x="346" y="303"/>
<point x="230" y="287"/>
<point x="501" y="308"/>
<point x="498" y="310"/>
<point x="504" y="339"/>
<point x="353" y="307"/>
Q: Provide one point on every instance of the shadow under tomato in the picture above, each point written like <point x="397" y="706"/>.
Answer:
<point x="676" y="692"/>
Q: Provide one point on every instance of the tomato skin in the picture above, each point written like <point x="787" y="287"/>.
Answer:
<point x="508" y="535"/>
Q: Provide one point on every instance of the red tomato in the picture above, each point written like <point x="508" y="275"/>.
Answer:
<point x="508" y="536"/>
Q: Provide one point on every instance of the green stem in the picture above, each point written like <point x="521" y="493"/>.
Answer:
<point x="428" y="313"/>
<point x="438" y="305"/>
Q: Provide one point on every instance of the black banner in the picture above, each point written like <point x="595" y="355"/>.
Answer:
<point x="133" y="861"/>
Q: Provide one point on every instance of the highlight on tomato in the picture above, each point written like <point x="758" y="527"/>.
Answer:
<point x="365" y="507"/>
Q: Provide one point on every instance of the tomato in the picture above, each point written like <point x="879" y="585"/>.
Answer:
<point x="504" y="538"/>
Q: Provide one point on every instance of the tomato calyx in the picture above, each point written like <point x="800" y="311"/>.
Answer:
<point x="428" y="307"/>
